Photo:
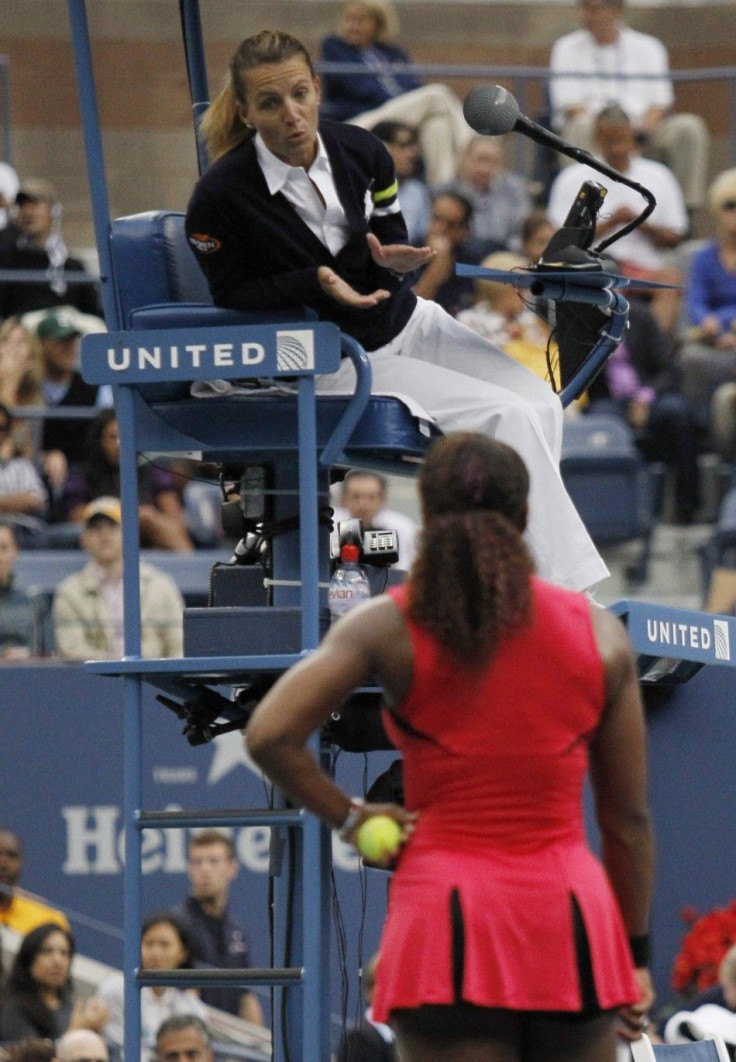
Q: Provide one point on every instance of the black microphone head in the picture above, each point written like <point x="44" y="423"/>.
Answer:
<point x="490" y="110"/>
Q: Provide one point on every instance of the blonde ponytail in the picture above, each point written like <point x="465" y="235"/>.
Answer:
<point x="221" y="127"/>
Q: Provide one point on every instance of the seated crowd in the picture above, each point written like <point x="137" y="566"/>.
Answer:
<point x="43" y="1016"/>
<point x="671" y="382"/>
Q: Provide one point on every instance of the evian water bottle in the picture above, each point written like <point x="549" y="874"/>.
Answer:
<point x="349" y="584"/>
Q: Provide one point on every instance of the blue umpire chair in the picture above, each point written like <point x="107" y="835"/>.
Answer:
<point x="166" y="313"/>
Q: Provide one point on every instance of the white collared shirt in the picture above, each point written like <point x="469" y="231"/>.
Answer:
<point x="327" y="219"/>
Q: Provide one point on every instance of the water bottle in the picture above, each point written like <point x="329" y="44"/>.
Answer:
<point x="349" y="584"/>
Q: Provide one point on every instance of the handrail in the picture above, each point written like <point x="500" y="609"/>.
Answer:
<point x="543" y="73"/>
<point x="35" y="276"/>
<point x="521" y="75"/>
<point x="358" y="402"/>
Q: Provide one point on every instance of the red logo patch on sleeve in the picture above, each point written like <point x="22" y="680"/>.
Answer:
<point x="203" y="243"/>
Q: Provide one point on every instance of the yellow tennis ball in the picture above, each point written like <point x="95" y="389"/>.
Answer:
<point x="379" y="837"/>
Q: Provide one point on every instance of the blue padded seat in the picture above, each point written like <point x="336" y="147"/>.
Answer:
<point x="607" y="478"/>
<point x="154" y="264"/>
<point x="158" y="284"/>
<point x="609" y="482"/>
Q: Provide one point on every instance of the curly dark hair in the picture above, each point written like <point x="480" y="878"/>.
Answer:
<point x="22" y="986"/>
<point x="470" y="585"/>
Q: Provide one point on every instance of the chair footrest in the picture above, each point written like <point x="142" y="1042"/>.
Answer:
<point x="258" y="817"/>
<point x="277" y="975"/>
<point x="244" y="630"/>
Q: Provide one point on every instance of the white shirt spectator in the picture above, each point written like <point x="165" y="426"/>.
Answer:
<point x="669" y="213"/>
<point x="9" y="185"/>
<point x="18" y="475"/>
<point x="154" y="1010"/>
<point x="632" y="53"/>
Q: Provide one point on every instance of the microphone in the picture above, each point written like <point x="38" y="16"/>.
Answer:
<point x="492" y="111"/>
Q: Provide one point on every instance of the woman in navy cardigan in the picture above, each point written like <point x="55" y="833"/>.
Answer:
<point x="298" y="211"/>
<point x="375" y="91"/>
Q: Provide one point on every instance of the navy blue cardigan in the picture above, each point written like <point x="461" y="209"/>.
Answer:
<point x="258" y="254"/>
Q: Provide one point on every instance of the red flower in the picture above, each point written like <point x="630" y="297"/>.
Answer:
<point x="709" y="938"/>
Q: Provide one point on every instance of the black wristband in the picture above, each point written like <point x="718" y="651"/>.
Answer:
<point x="640" y="949"/>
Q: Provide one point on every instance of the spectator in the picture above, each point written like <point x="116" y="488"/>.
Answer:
<point x="62" y="441"/>
<point x="39" y="245"/>
<point x="23" y="498"/>
<point x="708" y="351"/>
<point x="611" y="51"/>
<point x="20" y="622"/>
<point x="502" y="316"/>
<point x="368" y="1041"/>
<point x="38" y="999"/>
<point x="217" y="940"/>
<point x="81" y="1045"/>
<point x="184" y="1038"/>
<point x="376" y="92"/>
<point x="711" y="1011"/>
<point x="414" y="195"/>
<point x="63" y="385"/>
<point x="639" y="382"/>
<point x="363" y="497"/>
<point x="640" y="253"/>
<point x="21" y="374"/>
<point x="448" y="235"/>
<point x="160" y="513"/>
<point x="18" y="912"/>
<point x="9" y="185"/>
<point x="165" y="945"/>
<point x="31" y="1049"/>
<point x="88" y="605"/>
<point x="536" y="232"/>
<point x="500" y="200"/>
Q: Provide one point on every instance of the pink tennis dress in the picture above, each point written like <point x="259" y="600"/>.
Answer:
<point x="497" y="887"/>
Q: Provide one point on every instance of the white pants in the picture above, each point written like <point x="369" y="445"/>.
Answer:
<point x="467" y="384"/>
<point x="437" y="114"/>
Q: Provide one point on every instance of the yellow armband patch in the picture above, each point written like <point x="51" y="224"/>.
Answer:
<point x="386" y="193"/>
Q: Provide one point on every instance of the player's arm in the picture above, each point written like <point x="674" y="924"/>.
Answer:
<point x="620" y="782"/>
<point x="303" y="700"/>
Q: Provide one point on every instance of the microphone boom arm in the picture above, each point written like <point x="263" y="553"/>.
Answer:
<point x="492" y="111"/>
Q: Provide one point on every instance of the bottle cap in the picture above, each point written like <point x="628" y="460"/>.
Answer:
<point x="349" y="552"/>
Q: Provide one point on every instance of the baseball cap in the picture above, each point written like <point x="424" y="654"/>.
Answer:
<point x="36" y="189"/>
<point x="104" y="506"/>
<point x="57" y="326"/>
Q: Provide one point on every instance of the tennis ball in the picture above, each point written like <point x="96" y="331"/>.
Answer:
<point x="379" y="837"/>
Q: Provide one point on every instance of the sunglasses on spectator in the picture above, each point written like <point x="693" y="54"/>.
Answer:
<point x="730" y="204"/>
